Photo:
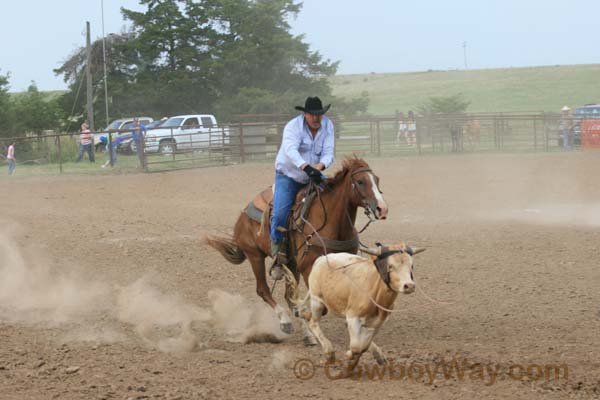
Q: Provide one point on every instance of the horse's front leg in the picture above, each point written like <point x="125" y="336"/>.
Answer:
<point x="263" y="291"/>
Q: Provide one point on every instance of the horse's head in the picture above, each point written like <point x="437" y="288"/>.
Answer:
<point x="363" y="187"/>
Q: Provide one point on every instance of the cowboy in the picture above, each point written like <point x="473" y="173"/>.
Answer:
<point x="306" y="150"/>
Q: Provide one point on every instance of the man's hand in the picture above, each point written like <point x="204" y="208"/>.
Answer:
<point x="314" y="174"/>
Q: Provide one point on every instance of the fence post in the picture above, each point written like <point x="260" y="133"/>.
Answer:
<point x="110" y="150"/>
<point x="418" y="133"/>
<point x="378" y="140"/>
<point x="242" y="149"/>
<point x="371" y="136"/>
<point x="222" y="143"/>
<point x="535" y="133"/>
<point x="140" y="150"/>
<point x="60" y="167"/>
<point x="172" y="145"/>
<point x="495" y="133"/>
<point x="545" y="133"/>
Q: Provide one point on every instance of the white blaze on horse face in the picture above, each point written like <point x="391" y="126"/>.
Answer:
<point x="382" y="208"/>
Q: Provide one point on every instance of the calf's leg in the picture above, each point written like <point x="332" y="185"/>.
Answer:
<point x="317" y="309"/>
<point x="377" y="353"/>
<point x="360" y="340"/>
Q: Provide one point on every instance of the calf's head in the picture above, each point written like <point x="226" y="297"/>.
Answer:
<point x="395" y="266"/>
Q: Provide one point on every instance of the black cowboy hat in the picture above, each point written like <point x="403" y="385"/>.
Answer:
<point x="313" y="105"/>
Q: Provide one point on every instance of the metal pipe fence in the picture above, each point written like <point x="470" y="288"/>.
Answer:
<point x="385" y="136"/>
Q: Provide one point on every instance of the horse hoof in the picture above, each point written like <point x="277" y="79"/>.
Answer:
<point x="286" y="327"/>
<point x="381" y="360"/>
<point x="310" y="341"/>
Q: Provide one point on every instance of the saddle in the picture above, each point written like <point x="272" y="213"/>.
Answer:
<point x="261" y="207"/>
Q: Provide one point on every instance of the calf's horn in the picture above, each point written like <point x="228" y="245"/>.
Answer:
<point x="415" y="250"/>
<point x="374" y="251"/>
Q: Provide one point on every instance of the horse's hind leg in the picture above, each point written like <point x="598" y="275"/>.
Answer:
<point x="262" y="289"/>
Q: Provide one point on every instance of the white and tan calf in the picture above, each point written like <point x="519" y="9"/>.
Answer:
<point x="359" y="289"/>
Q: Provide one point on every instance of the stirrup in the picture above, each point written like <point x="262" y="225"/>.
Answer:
<point x="276" y="271"/>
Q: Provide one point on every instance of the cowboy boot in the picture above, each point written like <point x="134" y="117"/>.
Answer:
<point x="278" y="254"/>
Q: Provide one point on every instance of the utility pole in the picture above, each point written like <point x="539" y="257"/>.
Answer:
<point x="88" y="74"/>
<point x="104" y="63"/>
<point x="465" y="54"/>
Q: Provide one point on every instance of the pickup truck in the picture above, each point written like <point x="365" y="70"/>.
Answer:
<point x="187" y="133"/>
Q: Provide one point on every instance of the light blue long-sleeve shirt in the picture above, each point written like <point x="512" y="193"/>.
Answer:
<point x="298" y="147"/>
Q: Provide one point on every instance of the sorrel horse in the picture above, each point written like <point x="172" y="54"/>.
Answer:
<point x="327" y="227"/>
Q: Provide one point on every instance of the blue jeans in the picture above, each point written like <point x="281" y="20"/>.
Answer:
<point x="567" y="139"/>
<point x="12" y="165"/>
<point x="286" y="190"/>
<point x="89" y="148"/>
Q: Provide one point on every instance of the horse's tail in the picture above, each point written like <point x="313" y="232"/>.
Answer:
<point x="227" y="247"/>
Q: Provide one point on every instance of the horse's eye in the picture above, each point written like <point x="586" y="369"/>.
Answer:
<point x="360" y="182"/>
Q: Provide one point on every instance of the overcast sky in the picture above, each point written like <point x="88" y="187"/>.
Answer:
<point x="373" y="36"/>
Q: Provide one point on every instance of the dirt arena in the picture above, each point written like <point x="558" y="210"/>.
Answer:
<point x="106" y="292"/>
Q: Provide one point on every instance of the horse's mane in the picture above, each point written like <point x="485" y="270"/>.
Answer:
<point x="351" y="163"/>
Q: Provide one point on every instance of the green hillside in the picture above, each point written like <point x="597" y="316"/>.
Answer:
<point x="48" y="95"/>
<point x="509" y="89"/>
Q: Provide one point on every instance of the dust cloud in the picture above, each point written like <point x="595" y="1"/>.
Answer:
<point x="282" y="360"/>
<point x="33" y="292"/>
<point x="243" y="321"/>
<point x="147" y="309"/>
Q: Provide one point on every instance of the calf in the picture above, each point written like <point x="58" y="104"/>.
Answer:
<point x="359" y="289"/>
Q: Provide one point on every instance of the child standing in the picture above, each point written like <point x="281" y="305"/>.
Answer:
<point x="10" y="158"/>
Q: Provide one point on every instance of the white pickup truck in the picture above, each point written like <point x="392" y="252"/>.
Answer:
<point x="187" y="132"/>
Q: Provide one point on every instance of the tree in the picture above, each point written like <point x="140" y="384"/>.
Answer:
<point x="72" y="103"/>
<point x="221" y="56"/>
<point x="6" y="112"/>
<point x="34" y="112"/>
<point x="454" y="104"/>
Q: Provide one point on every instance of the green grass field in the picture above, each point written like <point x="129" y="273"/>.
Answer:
<point x="48" y="95"/>
<point x="489" y="90"/>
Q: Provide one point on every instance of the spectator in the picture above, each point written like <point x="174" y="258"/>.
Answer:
<point x="566" y="128"/>
<point x="112" y="149"/>
<point x="139" y="133"/>
<point x="411" y="132"/>
<point x="10" y="158"/>
<point x="86" y="143"/>
<point x="456" y="132"/>
<point x="401" y="128"/>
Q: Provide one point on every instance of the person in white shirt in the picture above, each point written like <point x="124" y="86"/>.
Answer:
<point x="86" y="143"/>
<point x="306" y="149"/>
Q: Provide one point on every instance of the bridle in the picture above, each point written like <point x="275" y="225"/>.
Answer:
<point x="363" y="197"/>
